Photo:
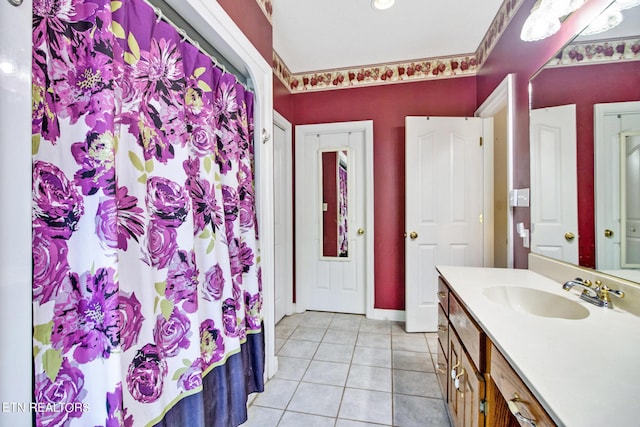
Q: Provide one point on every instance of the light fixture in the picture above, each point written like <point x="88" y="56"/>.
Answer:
<point x="563" y="7"/>
<point x="608" y="19"/>
<point x="545" y="18"/>
<point x="382" y="4"/>
<point x="539" y="25"/>
<point x="627" y="4"/>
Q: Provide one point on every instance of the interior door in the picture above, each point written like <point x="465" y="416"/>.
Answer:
<point x="283" y="221"/>
<point x="444" y="206"/>
<point x="325" y="280"/>
<point x="554" y="186"/>
<point x="611" y="121"/>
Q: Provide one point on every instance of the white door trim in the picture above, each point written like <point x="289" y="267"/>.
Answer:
<point x="15" y="223"/>
<point x="282" y="123"/>
<point x="365" y="126"/>
<point x="213" y="23"/>
<point x="502" y="96"/>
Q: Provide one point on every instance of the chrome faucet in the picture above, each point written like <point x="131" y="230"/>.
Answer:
<point x="585" y="285"/>
<point x="598" y="295"/>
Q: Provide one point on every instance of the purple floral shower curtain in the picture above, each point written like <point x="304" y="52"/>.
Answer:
<point x="147" y="301"/>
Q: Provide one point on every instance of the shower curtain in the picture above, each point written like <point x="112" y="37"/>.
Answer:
<point x="147" y="302"/>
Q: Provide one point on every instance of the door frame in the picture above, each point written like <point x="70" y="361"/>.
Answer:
<point x="287" y="262"/>
<point x="15" y="224"/>
<point x="365" y="126"/>
<point x="501" y="97"/>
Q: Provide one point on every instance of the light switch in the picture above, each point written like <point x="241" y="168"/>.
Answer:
<point x="519" y="197"/>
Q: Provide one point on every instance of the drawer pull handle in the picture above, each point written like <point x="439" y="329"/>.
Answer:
<point x="440" y="369"/>
<point x="456" y="381"/>
<point x="516" y="412"/>
<point x="453" y="370"/>
<point x="442" y="328"/>
<point x="441" y="295"/>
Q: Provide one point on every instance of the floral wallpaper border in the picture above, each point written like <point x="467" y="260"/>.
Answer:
<point x="454" y="66"/>
<point x="267" y="8"/>
<point x="614" y="50"/>
<point x="419" y="69"/>
<point x="422" y="69"/>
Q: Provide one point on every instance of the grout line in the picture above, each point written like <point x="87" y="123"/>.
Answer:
<point x="351" y="364"/>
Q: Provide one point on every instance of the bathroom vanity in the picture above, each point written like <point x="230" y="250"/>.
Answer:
<point x="516" y="349"/>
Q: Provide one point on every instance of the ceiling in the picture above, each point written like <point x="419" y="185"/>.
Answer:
<point x="311" y="35"/>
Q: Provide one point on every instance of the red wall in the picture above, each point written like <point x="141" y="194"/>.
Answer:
<point x="524" y="59"/>
<point x="387" y="106"/>
<point x="254" y="24"/>
<point x="282" y="99"/>
<point x="586" y="86"/>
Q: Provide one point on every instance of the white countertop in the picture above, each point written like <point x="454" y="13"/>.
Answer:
<point x="584" y="372"/>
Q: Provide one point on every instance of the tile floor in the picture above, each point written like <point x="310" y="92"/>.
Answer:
<point x="343" y="370"/>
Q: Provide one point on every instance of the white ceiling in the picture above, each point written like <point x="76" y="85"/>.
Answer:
<point x="312" y="35"/>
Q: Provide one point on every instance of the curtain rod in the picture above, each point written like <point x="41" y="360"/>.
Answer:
<point x="185" y="36"/>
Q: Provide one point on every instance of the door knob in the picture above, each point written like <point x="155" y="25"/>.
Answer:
<point x="413" y="235"/>
<point x="360" y="231"/>
<point x="569" y="236"/>
<point x="608" y="233"/>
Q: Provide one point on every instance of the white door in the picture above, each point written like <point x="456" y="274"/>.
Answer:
<point x="325" y="280"/>
<point x="610" y="121"/>
<point x="283" y="216"/>
<point x="444" y="204"/>
<point x="554" y="185"/>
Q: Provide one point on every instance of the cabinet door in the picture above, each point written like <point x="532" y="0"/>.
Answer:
<point x="466" y="387"/>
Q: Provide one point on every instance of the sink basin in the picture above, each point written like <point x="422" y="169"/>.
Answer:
<point x="536" y="302"/>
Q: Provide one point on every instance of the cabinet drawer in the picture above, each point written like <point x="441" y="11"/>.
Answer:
<point x="443" y="327"/>
<point x="443" y="295"/>
<point x="511" y="387"/>
<point x="470" y="334"/>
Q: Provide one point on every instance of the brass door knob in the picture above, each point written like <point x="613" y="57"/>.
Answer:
<point x="608" y="233"/>
<point x="360" y="231"/>
<point x="569" y="236"/>
<point x="413" y="235"/>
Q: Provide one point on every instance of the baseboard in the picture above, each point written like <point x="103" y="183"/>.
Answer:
<point x="393" y="315"/>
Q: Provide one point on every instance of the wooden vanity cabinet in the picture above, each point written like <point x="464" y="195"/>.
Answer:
<point x="442" y="368"/>
<point x="462" y="355"/>
<point x="476" y="380"/>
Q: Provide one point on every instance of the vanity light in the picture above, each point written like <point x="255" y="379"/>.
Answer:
<point x="539" y="25"/>
<point x="545" y="16"/>
<point x="382" y="4"/>
<point x="605" y="21"/>
<point x="627" y="4"/>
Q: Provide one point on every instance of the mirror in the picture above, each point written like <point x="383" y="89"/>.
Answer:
<point x="334" y="173"/>
<point x="598" y="76"/>
<point x="630" y="199"/>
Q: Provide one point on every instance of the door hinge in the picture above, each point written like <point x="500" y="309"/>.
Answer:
<point x="483" y="406"/>
<point x="481" y="142"/>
